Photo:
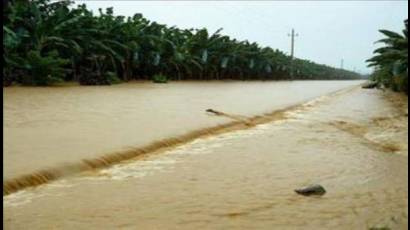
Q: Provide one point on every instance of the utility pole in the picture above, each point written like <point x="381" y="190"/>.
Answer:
<point x="292" y="50"/>
<point x="342" y="63"/>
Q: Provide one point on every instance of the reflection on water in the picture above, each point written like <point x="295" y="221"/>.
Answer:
<point x="245" y="179"/>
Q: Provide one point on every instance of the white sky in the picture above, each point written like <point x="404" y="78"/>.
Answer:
<point x="328" y="30"/>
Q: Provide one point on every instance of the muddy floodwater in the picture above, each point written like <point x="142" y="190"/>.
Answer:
<point x="48" y="126"/>
<point x="350" y="140"/>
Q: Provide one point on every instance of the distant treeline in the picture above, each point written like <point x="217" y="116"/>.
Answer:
<point x="49" y="42"/>
<point x="391" y="60"/>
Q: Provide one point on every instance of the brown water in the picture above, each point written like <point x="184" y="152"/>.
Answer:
<point x="353" y="142"/>
<point x="56" y="125"/>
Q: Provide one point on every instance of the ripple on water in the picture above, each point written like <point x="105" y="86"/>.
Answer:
<point x="136" y="169"/>
<point x="167" y="160"/>
<point x="26" y="196"/>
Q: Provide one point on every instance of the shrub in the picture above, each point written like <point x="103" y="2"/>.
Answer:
<point x="159" y="78"/>
<point x="95" y="78"/>
<point x="43" y="70"/>
<point x="112" y="78"/>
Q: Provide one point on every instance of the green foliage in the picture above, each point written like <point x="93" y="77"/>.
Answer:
<point x="43" y="70"/>
<point x="391" y="60"/>
<point x="159" y="78"/>
<point x="382" y="77"/>
<point x="105" y="49"/>
<point x="94" y="78"/>
<point x="112" y="78"/>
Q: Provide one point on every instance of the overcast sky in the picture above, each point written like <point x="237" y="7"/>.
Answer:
<point x="328" y="30"/>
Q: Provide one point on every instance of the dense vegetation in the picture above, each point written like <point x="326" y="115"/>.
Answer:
<point x="391" y="60"/>
<point x="49" y="42"/>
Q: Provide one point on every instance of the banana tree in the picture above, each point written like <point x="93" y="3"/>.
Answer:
<point x="104" y="48"/>
<point x="391" y="60"/>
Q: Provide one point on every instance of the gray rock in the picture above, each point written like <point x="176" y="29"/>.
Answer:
<point x="315" y="189"/>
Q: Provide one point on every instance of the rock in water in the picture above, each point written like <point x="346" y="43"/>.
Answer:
<point x="315" y="189"/>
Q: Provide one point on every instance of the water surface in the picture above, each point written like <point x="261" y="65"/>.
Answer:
<point x="353" y="142"/>
<point x="44" y="127"/>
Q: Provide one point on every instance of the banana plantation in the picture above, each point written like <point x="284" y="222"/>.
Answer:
<point x="391" y="60"/>
<point x="48" y="42"/>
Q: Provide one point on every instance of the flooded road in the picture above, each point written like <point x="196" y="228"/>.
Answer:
<point x="56" y="125"/>
<point x="353" y="142"/>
